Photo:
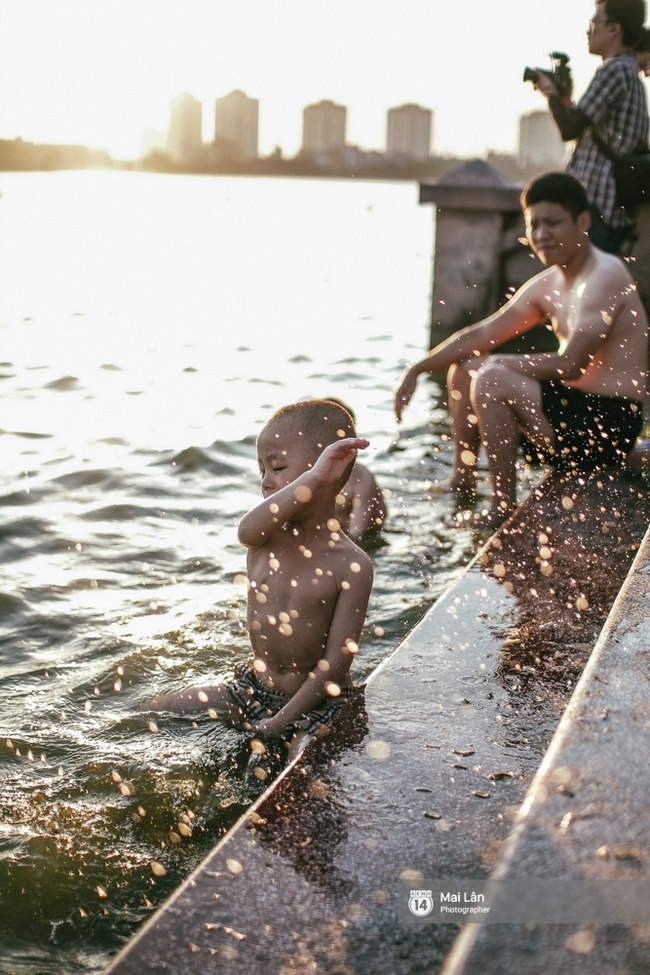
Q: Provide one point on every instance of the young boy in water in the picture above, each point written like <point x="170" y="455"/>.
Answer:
<point x="308" y="584"/>
<point x="360" y="507"/>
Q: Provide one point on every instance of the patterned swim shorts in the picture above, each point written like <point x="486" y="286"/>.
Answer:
<point x="257" y="701"/>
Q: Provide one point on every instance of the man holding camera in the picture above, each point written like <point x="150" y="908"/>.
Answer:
<point x="609" y="121"/>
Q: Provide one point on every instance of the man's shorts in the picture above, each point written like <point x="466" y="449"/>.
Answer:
<point x="257" y="702"/>
<point x="590" y="431"/>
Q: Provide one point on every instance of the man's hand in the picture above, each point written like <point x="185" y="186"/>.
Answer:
<point x="404" y="393"/>
<point x="335" y="458"/>
<point x="545" y="84"/>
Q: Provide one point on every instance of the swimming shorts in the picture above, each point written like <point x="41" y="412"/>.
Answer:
<point x="257" y="701"/>
<point x="590" y="431"/>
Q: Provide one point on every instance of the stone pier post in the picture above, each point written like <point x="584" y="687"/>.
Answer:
<point x="478" y="260"/>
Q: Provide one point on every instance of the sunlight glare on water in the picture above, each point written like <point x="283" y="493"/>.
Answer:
<point x="149" y="326"/>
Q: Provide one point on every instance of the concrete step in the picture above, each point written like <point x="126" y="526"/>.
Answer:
<point x="427" y="769"/>
<point x="586" y="815"/>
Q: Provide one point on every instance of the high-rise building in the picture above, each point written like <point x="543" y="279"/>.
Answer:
<point x="323" y="128"/>
<point x="184" y="138"/>
<point x="236" y="126"/>
<point x="539" y="141"/>
<point x="408" y="132"/>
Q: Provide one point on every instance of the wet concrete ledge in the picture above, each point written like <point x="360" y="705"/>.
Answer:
<point x="427" y="769"/>
<point x="587" y="813"/>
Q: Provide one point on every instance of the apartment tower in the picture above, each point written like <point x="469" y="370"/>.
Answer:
<point x="184" y="138"/>
<point x="408" y="133"/>
<point x="236" y="126"/>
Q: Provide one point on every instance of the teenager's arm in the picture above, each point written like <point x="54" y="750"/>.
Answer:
<point x="519" y="315"/>
<point x="342" y="644"/>
<point x="279" y="508"/>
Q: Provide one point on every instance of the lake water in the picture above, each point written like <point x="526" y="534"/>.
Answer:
<point x="149" y="325"/>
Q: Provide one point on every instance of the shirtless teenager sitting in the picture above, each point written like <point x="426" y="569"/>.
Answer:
<point x="580" y="406"/>
<point x="308" y="584"/>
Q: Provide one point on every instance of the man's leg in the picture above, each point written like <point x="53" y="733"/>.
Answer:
<point x="465" y="433"/>
<point x="506" y="403"/>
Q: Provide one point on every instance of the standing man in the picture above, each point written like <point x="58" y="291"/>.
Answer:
<point x="580" y="406"/>
<point x="611" y="118"/>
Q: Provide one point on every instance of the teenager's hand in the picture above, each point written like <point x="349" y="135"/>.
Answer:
<point x="404" y="393"/>
<point x="335" y="458"/>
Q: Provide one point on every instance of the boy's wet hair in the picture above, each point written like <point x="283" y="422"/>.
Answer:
<point x="559" y="188"/>
<point x="316" y="422"/>
<point x="339" y="402"/>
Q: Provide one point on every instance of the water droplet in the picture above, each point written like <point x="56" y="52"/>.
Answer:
<point x="303" y="494"/>
<point x="378" y="750"/>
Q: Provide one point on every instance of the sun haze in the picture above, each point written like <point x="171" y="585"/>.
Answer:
<point x="102" y="74"/>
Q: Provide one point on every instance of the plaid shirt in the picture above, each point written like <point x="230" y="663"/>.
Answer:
<point x="615" y="103"/>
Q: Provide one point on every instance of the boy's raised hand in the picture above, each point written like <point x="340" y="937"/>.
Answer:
<point x="335" y="458"/>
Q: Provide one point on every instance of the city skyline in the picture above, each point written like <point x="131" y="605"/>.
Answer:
<point x="408" y="128"/>
<point x="101" y="75"/>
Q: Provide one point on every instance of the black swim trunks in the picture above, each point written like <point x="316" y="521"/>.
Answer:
<point x="590" y="431"/>
<point x="257" y="701"/>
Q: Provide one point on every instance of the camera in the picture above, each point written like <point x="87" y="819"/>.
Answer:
<point x="560" y="74"/>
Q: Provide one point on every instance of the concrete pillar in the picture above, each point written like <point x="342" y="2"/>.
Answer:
<point x="478" y="221"/>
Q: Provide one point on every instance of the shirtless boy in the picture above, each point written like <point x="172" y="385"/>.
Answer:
<point x="308" y="584"/>
<point x="360" y="507"/>
<point x="580" y="406"/>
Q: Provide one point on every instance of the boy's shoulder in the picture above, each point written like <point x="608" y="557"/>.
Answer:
<point x="362" y="476"/>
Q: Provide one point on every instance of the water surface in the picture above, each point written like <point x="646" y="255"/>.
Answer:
<point x="149" y="325"/>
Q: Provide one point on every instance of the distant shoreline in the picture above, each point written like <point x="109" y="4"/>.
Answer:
<point x="19" y="156"/>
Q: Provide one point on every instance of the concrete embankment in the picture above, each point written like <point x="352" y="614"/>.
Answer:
<point x="586" y="814"/>
<point x="426" y="772"/>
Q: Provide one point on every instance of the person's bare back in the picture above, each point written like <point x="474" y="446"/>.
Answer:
<point x="360" y="507"/>
<point x="308" y="583"/>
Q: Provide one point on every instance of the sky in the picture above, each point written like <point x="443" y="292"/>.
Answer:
<point x="102" y="72"/>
